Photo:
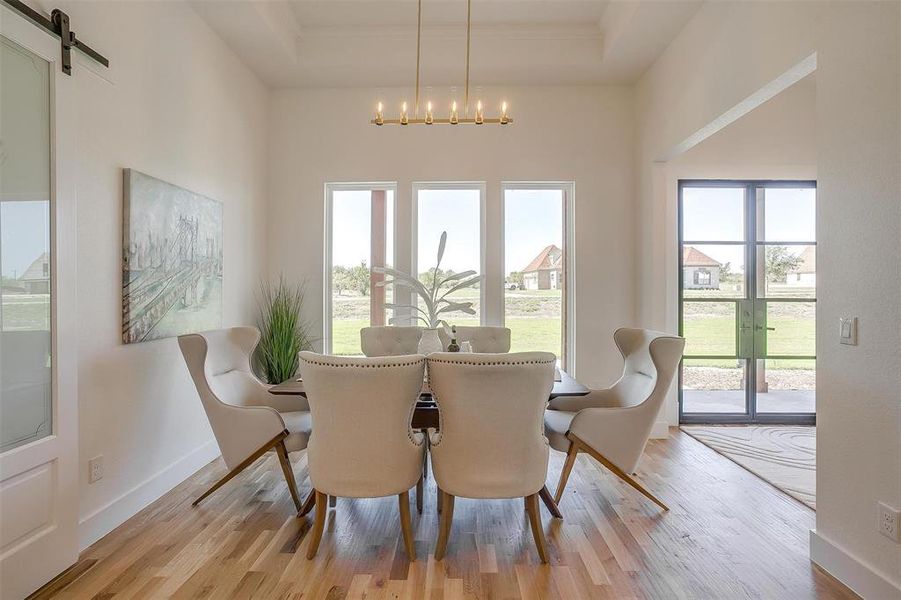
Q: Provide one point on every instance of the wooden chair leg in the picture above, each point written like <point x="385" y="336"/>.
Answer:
<point x="308" y="504"/>
<point x="420" y="491"/>
<point x="405" y="527"/>
<point x="545" y="495"/>
<point x="537" y="531"/>
<point x="318" y="524"/>
<point x="244" y="464"/>
<point x="282" y="452"/>
<point x="567" y="469"/>
<point x="619" y="473"/>
<point x="447" y="517"/>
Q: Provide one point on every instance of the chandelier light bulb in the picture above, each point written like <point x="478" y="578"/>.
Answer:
<point x="504" y="118"/>
<point x="479" y="116"/>
<point x="403" y="114"/>
<point x="453" y="119"/>
<point x="429" y="119"/>
<point x="379" y="117"/>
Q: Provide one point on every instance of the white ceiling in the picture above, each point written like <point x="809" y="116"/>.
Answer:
<point x="325" y="43"/>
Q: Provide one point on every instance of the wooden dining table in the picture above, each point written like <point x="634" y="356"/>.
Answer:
<point x="425" y="416"/>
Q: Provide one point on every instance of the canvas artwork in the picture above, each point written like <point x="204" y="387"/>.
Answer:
<point x="172" y="260"/>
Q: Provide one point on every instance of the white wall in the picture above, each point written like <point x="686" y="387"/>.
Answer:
<point x="776" y="140"/>
<point x="181" y="107"/>
<point x="582" y="134"/>
<point x="715" y="66"/>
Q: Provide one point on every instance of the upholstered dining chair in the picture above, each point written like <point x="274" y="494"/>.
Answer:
<point x="390" y="340"/>
<point x="246" y="419"/>
<point x="490" y="442"/>
<point x="495" y="340"/>
<point x="363" y="445"/>
<point x="613" y="425"/>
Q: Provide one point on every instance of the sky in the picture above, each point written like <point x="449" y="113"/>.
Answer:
<point x="717" y="214"/>
<point x="24" y="234"/>
<point x="533" y="219"/>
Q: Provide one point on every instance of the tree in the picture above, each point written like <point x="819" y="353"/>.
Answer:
<point x="515" y="277"/>
<point x="779" y="261"/>
<point x="340" y="279"/>
<point x="358" y="279"/>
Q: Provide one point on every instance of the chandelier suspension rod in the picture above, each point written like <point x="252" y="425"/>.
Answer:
<point x="468" y="43"/>
<point x="418" y="51"/>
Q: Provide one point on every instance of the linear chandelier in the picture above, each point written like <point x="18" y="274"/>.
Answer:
<point x="454" y="118"/>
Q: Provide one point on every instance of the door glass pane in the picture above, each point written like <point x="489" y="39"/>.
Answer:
<point x="534" y="269"/>
<point x="459" y="213"/>
<point x="787" y="215"/>
<point x="25" y="370"/>
<point x="791" y="328"/>
<point x="713" y="386"/>
<point x="713" y="271"/>
<point x="786" y="386"/>
<point x="362" y="236"/>
<point x="709" y="328"/>
<point x="786" y="271"/>
<point x="713" y="214"/>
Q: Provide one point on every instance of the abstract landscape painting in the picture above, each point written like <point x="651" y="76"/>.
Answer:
<point x="171" y="261"/>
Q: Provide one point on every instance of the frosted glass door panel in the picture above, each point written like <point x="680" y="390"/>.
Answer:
<point x="26" y="404"/>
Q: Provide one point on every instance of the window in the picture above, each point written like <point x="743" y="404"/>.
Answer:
<point x="457" y="209"/>
<point x="360" y="235"/>
<point x="702" y="277"/>
<point x="536" y="272"/>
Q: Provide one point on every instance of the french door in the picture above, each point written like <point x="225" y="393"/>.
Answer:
<point x="38" y="381"/>
<point x="747" y="301"/>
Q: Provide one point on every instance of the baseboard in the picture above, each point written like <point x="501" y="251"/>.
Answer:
<point x="862" y="579"/>
<point x="660" y="431"/>
<point x="106" y="518"/>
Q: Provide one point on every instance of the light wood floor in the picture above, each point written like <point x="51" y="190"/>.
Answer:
<point x="728" y="535"/>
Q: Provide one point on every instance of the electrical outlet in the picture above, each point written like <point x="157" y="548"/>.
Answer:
<point x="95" y="469"/>
<point x="888" y="520"/>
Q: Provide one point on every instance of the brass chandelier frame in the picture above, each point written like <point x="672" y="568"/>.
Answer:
<point x="454" y="118"/>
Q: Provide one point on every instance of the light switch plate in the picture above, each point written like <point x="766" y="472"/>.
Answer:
<point x="848" y="330"/>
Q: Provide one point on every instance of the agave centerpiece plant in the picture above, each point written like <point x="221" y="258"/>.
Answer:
<point x="435" y="297"/>
<point x="283" y="332"/>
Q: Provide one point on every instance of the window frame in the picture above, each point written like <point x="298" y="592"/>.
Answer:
<point x="329" y="192"/>
<point x="483" y="228"/>
<point x="568" y="360"/>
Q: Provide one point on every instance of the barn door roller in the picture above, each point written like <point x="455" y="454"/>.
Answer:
<point x="58" y="25"/>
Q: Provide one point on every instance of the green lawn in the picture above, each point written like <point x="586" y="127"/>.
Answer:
<point x="709" y="329"/>
<point x="533" y="317"/>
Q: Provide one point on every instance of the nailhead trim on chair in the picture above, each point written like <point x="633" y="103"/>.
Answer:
<point x="324" y="364"/>
<point x="492" y="364"/>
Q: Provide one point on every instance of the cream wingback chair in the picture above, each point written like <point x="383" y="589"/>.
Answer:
<point x="490" y="443"/>
<point x="245" y="417"/>
<point x="613" y="425"/>
<point x="363" y="446"/>
<point x="390" y="340"/>
<point x="495" y="340"/>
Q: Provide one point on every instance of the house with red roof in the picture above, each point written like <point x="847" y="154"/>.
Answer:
<point x="699" y="271"/>
<point x="545" y="272"/>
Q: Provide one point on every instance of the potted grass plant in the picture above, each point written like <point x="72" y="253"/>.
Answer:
<point x="283" y="331"/>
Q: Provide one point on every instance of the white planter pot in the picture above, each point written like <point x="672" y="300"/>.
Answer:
<point x="430" y="342"/>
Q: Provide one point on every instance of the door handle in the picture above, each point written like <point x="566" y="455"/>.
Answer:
<point x="761" y="328"/>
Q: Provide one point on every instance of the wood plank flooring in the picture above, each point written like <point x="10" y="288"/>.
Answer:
<point x="728" y="535"/>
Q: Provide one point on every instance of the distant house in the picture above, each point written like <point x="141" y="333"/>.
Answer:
<point x="545" y="272"/>
<point x="805" y="274"/>
<point x="36" y="278"/>
<point x="699" y="271"/>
